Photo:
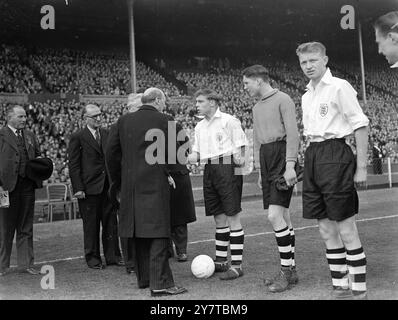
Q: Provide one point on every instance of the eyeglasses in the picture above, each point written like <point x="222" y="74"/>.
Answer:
<point x="97" y="116"/>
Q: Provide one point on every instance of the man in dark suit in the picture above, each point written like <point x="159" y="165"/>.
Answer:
<point x="17" y="146"/>
<point x="137" y="167"/>
<point x="90" y="184"/>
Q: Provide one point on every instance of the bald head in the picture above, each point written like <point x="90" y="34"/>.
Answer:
<point x="92" y="110"/>
<point x="134" y="101"/>
<point x="154" y="97"/>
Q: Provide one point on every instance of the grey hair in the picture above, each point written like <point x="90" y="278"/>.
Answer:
<point x="151" y="94"/>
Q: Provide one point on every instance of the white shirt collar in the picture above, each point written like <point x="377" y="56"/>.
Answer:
<point x="92" y="130"/>
<point x="217" y="114"/>
<point x="395" y="65"/>
<point x="13" y="129"/>
<point x="327" y="78"/>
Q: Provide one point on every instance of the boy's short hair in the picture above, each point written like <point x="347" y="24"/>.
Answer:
<point x="256" y="71"/>
<point x="310" y="47"/>
<point x="210" y="94"/>
<point x="387" y="23"/>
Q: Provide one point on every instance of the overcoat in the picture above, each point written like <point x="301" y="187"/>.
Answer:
<point x="136" y="156"/>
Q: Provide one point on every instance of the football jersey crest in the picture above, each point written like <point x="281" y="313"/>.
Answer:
<point x="323" y="109"/>
<point x="219" y="137"/>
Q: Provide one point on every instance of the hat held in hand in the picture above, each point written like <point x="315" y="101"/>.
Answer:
<point x="39" y="169"/>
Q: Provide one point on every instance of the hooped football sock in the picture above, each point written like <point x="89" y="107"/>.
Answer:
<point x="292" y="244"/>
<point x="222" y="243"/>
<point x="356" y="261"/>
<point x="338" y="267"/>
<point x="237" y="239"/>
<point x="285" y="249"/>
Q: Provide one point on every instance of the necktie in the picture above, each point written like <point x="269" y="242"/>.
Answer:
<point x="98" y="137"/>
<point x="19" y="135"/>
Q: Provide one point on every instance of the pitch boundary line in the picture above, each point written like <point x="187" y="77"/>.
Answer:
<point x="210" y="240"/>
<point x="299" y="228"/>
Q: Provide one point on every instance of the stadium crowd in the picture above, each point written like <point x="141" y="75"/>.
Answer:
<point x="70" y="71"/>
<point x="15" y="75"/>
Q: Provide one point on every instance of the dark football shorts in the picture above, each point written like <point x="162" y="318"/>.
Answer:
<point x="328" y="184"/>
<point x="273" y="165"/>
<point x="222" y="188"/>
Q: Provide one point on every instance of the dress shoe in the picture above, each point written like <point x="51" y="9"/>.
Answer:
<point x="182" y="257"/>
<point x="32" y="271"/>
<point x="98" y="267"/>
<point x="119" y="263"/>
<point x="168" y="292"/>
<point x="130" y="270"/>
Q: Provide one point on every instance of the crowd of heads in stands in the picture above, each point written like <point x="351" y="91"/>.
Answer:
<point x="80" y="72"/>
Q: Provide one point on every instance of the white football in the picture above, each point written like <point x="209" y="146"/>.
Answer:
<point x="202" y="266"/>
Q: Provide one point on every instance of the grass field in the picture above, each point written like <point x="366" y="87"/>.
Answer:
<point x="60" y="244"/>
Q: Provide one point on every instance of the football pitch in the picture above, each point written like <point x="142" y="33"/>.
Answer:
<point x="60" y="244"/>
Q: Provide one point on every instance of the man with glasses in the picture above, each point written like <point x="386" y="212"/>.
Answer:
<point x="90" y="184"/>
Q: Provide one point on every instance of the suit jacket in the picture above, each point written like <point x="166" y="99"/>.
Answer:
<point x="144" y="198"/>
<point x="87" y="169"/>
<point x="10" y="157"/>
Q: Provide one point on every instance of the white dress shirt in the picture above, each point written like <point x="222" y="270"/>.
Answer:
<point x="331" y="110"/>
<point x="222" y="135"/>
<point x="93" y="132"/>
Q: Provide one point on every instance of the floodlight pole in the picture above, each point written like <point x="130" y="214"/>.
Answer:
<point x="130" y="4"/>
<point x="361" y="56"/>
<point x="362" y="63"/>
